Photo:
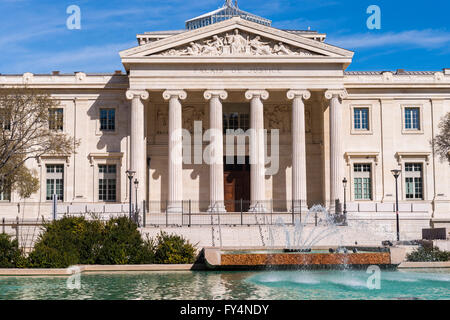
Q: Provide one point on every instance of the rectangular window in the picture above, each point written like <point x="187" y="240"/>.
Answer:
<point x="235" y="121"/>
<point x="413" y="181"/>
<point x="56" y="119"/>
<point x="107" y="183"/>
<point x="361" y="118"/>
<point x="362" y="181"/>
<point x="412" y="118"/>
<point x="55" y="181"/>
<point x="107" y="119"/>
<point x="5" y="120"/>
<point x="5" y="193"/>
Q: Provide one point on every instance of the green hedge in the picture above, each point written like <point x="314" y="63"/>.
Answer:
<point x="173" y="249"/>
<point x="10" y="254"/>
<point x="75" y="240"/>
<point x="423" y="254"/>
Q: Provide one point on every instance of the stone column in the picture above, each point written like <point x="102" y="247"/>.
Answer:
<point x="175" y="183"/>
<point x="336" y="152"/>
<point x="216" y="187"/>
<point x="138" y="146"/>
<point x="257" y="151"/>
<point x="299" y="188"/>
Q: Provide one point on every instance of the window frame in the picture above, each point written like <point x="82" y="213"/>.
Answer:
<point x="369" y="130"/>
<point x="408" y="175"/>
<point x="414" y="157"/>
<point x="242" y="117"/>
<point x="62" y="120"/>
<point x="98" y="128"/>
<point x="367" y="158"/>
<point x="107" y="119"/>
<point x="107" y="177"/>
<point x="2" y="194"/>
<point x="420" y="113"/>
<point x="361" y="176"/>
<point x="54" y="179"/>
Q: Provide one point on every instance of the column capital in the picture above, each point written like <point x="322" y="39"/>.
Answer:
<point x="142" y="94"/>
<point x="222" y="94"/>
<point x="179" y="94"/>
<point x="250" y="94"/>
<point x="340" y="93"/>
<point x="304" y="94"/>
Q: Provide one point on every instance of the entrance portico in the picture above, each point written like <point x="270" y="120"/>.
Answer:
<point x="237" y="61"/>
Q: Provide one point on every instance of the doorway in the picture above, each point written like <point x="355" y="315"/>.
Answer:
<point x="237" y="184"/>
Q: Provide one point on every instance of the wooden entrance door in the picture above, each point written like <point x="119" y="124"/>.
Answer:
<point x="237" y="187"/>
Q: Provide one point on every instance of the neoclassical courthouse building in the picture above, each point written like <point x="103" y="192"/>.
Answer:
<point x="228" y="70"/>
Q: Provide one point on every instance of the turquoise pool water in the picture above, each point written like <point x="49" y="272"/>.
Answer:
<point x="283" y="285"/>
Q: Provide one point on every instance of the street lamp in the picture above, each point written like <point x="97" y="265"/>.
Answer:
<point x="136" y="186"/>
<point x="396" y="174"/>
<point x="130" y="175"/>
<point x="344" y="183"/>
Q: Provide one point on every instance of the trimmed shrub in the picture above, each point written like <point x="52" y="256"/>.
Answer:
<point x="75" y="240"/>
<point x="173" y="249"/>
<point x="10" y="254"/>
<point x="122" y="243"/>
<point x="423" y="254"/>
<point x="68" y="241"/>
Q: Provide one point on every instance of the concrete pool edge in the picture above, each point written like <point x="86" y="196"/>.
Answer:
<point x="97" y="268"/>
<point x="425" y="265"/>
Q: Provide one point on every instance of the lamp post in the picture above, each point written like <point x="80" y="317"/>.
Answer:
<point x="344" y="183"/>
<point x="130" y="175"/>
<point x="396" y="174"/>
<point x="136" y="186"/>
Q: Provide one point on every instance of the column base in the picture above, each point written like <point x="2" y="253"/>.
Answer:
<point x="174" y="209"/>
<point x="300" y="209"/>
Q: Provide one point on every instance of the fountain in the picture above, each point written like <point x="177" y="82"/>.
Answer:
<point x="303" y="247"/>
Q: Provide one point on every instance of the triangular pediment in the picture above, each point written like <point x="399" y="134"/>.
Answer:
<point x="239" y="38"/>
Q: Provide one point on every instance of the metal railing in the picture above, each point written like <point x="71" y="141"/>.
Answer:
<point x="232" y="213"/>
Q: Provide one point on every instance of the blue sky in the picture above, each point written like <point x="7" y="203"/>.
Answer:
<point x="414" y="35"/>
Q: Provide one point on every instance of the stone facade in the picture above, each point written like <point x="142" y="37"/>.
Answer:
<point x="282" y="80"/>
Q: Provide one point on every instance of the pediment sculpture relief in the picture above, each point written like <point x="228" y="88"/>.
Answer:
<point x="237" y="43"/>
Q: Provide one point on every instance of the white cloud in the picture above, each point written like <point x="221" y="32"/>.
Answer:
<point x="101" y="58"/>
<point x="428" y="38"/>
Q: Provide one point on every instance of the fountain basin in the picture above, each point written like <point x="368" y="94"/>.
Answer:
<point x="279" y="258"/>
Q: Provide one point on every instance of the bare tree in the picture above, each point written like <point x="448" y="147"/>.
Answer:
<point x="441" y="143"/>
<point x="30" y="127"/>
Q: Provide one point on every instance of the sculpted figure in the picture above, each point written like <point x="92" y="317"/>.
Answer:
<point x="260" y="48"/>
<point x="237" y="42"/>
<point x="213" y="46"/>
<point x="280" y="49"/>
<point x="194" y="50"/>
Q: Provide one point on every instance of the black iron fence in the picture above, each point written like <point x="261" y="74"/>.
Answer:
<point x="189" y="213"/>
<point x="232" y="213"/>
